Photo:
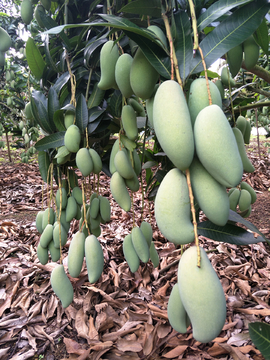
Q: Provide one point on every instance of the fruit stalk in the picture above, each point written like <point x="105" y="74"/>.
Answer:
<point x="59" y="215"/>
<point x="194" y="26"/>
<point x="72" y="82"/>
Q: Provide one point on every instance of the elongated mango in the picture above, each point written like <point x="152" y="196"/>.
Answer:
<point x="147" y="231"/>
<point x="244" y="200"/>
<point x="39" y="219"/>
<point x="172" y="124"/>
<point x="94" y="207"/>
<point x="46" y="236"/>
<point x="198" y="97"/>
<point x="136" y="162"/>
<point x="177" y="314"/>
<point x="129" y="122"/>
<point x="234" y="198"/>
<point x="172" y="208"/>
<point x="210" y="194"/>
<point x="247" y="132"/>
<point x="77" y="194"/>
<point x="54" y="252"/>
<point x="84" y="161"/>
<point x="247" y="165"/>
<point x="220" y="87"/>
<point x="122" y="74"/>
<point x="71" y="209"/>
<point x="42" y="254"/>
<point x="58" y="199"/>
<point x="251" y="52"/>
<point x="61" y="285"/>
<point x="5" y="40"/>
<point x="115" y="148"/>
<point x="48" y="217"/>
<point x="72" y="138"/>
<point x="130" y="254"/>
<point x="246" y="186"/>
<point x="216" y="146"/>
<point x="69" y="119"/>
<point x="26" y="11"/>
<point x="140" y="244"/>
<point x="56" y="236"/>
<point x="154" y="255"/>
<point x="202" y="295"/>
<point x="137" y="106"/>
<point x="94" y="258"/>
<point x="241" y="124"/>
<point x="120" y="192"/>
<point x="133" y="184"/>
<point x="105" y="208"/>
<point x="76" y="254"/>
<point x="234" y="59"/>
<point x="123" y="165"/>
<point x="97" y="162"/>
<point x="108" y="58"/>
<point x="226" y="77"/>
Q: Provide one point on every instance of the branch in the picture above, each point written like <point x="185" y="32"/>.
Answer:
<point x="259" y="71"/>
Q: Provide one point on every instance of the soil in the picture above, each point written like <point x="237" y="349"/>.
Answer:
<point x="123" y="315"/>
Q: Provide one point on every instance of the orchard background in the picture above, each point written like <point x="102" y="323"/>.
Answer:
<point x="52" y="69"/>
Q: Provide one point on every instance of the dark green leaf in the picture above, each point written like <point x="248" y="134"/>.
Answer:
<point x="58" y="118"/>
<point x="81" y="113"/>
<point x="262" y="37"/>
<point x="91" y="47"/>
<point x="52" y="141"/>
<point x="115" y="104"/>
<point x="229" y="233"/>
<point x="34" y="59"/>
<point x="260" y="335"/>
<point x="43" y="164"/>
<point x="230" y="33"/>
<point x="48" y="56"/>
<point x="95" y="113"/>
<point x="96" y="97"/>
<point x="39" y="106"/>
<point x="61" y="81"/>
<point x="142" y="7"/>
<point x="53" y="103"/>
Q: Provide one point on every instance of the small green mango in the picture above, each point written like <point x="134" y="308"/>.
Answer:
<point x="247" y="165"/>
<point x="48" y="217"/>
<point x="77" y="194"/>
<point x="58" y="198"/>
<point x="247" y="133"/>
<point x="94" y="258"/>
<point x="226" y="77"/>
<point x="147" y="231"/>
<point x="115" y="148"/>
<point x="68" y="119"/>
<point x="39" y="220"/>
<point x="105" y="209"/>
<point x="122" y="74"/>
<point x="5" y="40"/>
<point x="130" y="254"/>
<point x="42" y="254"/>
<point x="54" y="252"/>
<point x="26" y="11"/>
<point x="84" y="161"/>
<point x="97" y="162"/>
<point x="137" y="106"/>
<point x="61" y="285"/>
<point x="71" y="209"/>
<point x="94" y="207"/>
<point x="72" y="138"/>
<point x="140" y="244"/>
<point x="177" y="314"/>
<point x="108" y="58"/>
<point x="123" y="165"/>
<point x="251" y="52"/>
<point x="133" y="184"/>
<point x="246" y="186"/>
<point x="234" y="196"/>
<point x="234" y="59"/>
<point x="154" y="255"/>
<point x="56" y="236"/>
<point x="76" y="254"/>
<point x="119" y="191"/>
<point x="244" y="200"/>
<point x="46" y="236"/>
<point x="241" y="124"/>
<point x="129" y="121"/>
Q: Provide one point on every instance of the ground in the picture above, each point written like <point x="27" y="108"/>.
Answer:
<point x="123" y="315"/>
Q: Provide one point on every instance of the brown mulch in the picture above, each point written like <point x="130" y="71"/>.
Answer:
<point x="123" y="315"/>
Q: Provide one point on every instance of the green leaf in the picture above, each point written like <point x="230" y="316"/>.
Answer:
<point x="43" y="164"/>
<point x="230" y="33"/>
<point x="81" y="113"/>
<point x="58" y="119"/>
<point x="115" y="104"/>
<point x="216" y="10"/>
<point x="52" y="141"/>
<point x="260" y="335"/>
<point x="142" y="7"/>
<point x="96" y="97"/>
<point x="53" y="104"/>
<point x="262" y="37"/>
<point x="95" y="113"/>
<point x="229" y="233"/>
<point x="34" y="59"/>
<point x="48" y="56"/>
<point x="61" y="81"/>
<point x="39" y="105"/>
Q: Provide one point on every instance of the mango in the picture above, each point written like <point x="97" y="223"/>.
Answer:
<point x="137" y="106"/>
<point x="123" y="165"/>
<point x="28" y="111"/>
<point x="48" y="217"/>
<point x="94" y="207"/>
<point x="42" y="254"/>
<point x="154" y="255"/>
<point x="202" y="295"/>
<point x="246" y="186"/>
<point x="244" y="200"/>
<point x="97" y="231"/>
<point x="84" y="161"/>
<point x="216" y="146"/>
<point x="76" y="254"/>
<point x="94" y="258"/>
<point x="130" y="254"/>
<point x="58" y="198"/>
<point x="143" y="76"/>
<point x="241" y="124"/>
<point x="234" y="59"/>
<point x="108" y="58"/>
<point x="147" y="231"/>
<point x="140" y="244"/>
<point x="71" y="209"/>
<point x="62" y="286"/>
<point x="39" y="220"/>
<point x="46" y="236"/>
<point x="115" y="148"/>
<point x="149" y="104"/>
<point x="120" y="192"/>
<point x="46" y="4"/>
<point x="251" y="52"/>
<point x="56" y="236"/>
<point x="54" y="252"/>
<point x="105" y="209"/>
<point x="2" y="58"/>
<point x="77" y="194"/>
<point x="177" y="314"/>
<point x="210" y="194"/>
<point x="69" y="119"/>
<point x="247" y="132"/>
<point x="39" y="9"/>
<point x="133" y="184"/>
<point x="122" y="74"/>
<point x="26" y="11"/>
<point x="234" y="198"/>
<point x="5" y="40"/>
<point x="136" y="162"/>
<point x="172" y="208"/>
<point x="226" y="77"/>
<point x="247" y="165"/>
<point x="72" y="138"/>
<point x="129" y="121"/>
<point x="97" y="162"/>
<point x="198" y="97"/>
<point x="63" y="221"/>
<point x="159" y="33"/>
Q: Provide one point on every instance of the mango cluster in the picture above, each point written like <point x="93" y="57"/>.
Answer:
<point x="138" y="246"/>
<point x="241" y="198"/>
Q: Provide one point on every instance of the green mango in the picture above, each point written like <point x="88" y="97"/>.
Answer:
<point x="122" y="74"/>
<point x="28" y="111"/>
<point x="84" y="161"/>
<point x="129" y="121"/>
<point x="177" y="314"/>
<point x="48" y="217"/>
<point x="97" y="231"/>
<point x="71" y="209"/>
<point x="2" y="58"/>
<point x="69" y="119"/>
<point x="39" y="220"/>
<point x="54" y="252"/>
<point x="72" y="138"/>
<point x="105" y="209"/>
<point x="64" y="198"/>
<point x="172" y="208"/>
<point x="234" y="198"/>
<point x="241" y="124"/>
<point x="26" y="11"/>
<point x="97" y="162"/>
<point x="94" y="207"/>
<point x="234" y="59"/>
<point x="42" y="254"/>
<point x="76" y="254"/>
<point x="137" y="106"/>
<point x="130" y="254"/>
<point x="198" y="97"/>
<point x="247" y="165"/>
<point x="246" y="186"/>
<point x="154" y="255"/>
<point x="56" y="236"/>
<point x="61" y="285"/>
<point x="133" y="184"/>
<point x="46" y="4"/>
<point x="108" y="59"/>
<point x="143" y="76"/>
<point x="216" y="146"/>
<point x="251" y="52"/>
<point x="159" y="33"/>
<point x="115" y="148"/>
<point x="244" y="200"/>
<point x="226" y="77"/>
<point x="46" y="236"/>
<point x="247" y="133"/>
<point x="123" y="165"/>
<point x="211" y="196"/>
<point x="119" y="191"/>
<point x="136" y="162"/>
<point x="5" y="40"/>
<point x="77" y="194"/>
<point x="172" y="124"/>
<point x="63" y="221"/>
<point x="147" y="231"/>
<point x="140" y="244"/>
<point x="73" y="179"/>
<point x="202" y="295"/>
<point x="94" y="258"/>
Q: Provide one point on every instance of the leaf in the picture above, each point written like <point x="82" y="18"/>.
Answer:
<point x="51" y="141"/>
<point x="95" y="113"/>
<point x="48" y="56"/>
<point x="229" y="233"/>
<point x="262" y="37"/>
<point x="53" y="104"/>
<point x="43" y="164"/>
<point x="216" y="10"/>
<point x="230" y="33"/>
<point x="58" y="119"/>
<point x="39" y="105"/>
<point x="34" y="59"/>
<point x="61" y="81"/>
<point x="142" y="7"/>
<point x="260" y="335"/>
<point x="96" y="97"/>
<point x="81" y="113"/>
<point x="115" y="104"/>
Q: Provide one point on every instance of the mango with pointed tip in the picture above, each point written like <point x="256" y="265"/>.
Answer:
<point x="97" y="162"/>
<point x="246" y="186"/>
<point x="172" y="208"/>
<point x="177" y="314"/>
<point x="123" y="165"/>
<point x="216" y="146"/>
<point x="244" y="200"/>
<point x="251" y="52"/>
<point x="202" y="295"/>
<point x="84" y="161"/>
<point x="71" y="209"/>
<point x="46" y="236"/>
<point x="76" y="254"/>
<point x="42" y="254"/>
<point x="105" y="208"/>
<point x="172" y="124"/>
<point x="5" y="40"/>
<point x="226" y="77"/>
<point x="140" y="244"/>
<point x="94" y="258"/>
<point x="234" y="196"/>
<point x="108" y="58"/>
<point x="54" y="252"/>
<point x="119" y="191"/>
<point x="234" y="59"/>
<point x="26" y="11"/>
<point x="61" y="285"/>
<point x="130" y="254"/>
<point x="154" y="255"/>
<point x="122" y="74"/>
<point x="247" y="165"/>
<point x="129" y="121"/>
<point x="58" y="199"/>
<point x="72" y="138"/>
